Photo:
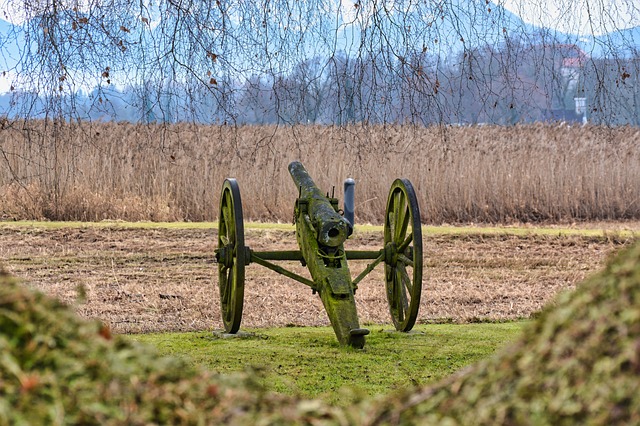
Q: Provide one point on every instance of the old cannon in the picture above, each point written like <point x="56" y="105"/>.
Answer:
<point x="321" y="231"/>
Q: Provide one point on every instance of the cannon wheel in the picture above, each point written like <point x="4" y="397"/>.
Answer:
<point x="231" y="256"/>
<point x="403" y="254"/>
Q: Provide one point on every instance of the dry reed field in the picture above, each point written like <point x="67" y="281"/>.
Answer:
<point x="532" y="173"/>
<point x="161" y="279"/>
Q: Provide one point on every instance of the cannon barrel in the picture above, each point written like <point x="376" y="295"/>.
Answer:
<point x="321" y="232"/>
<point x="331" y="228"/>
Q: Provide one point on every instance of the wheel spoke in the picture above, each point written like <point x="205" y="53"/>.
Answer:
<point x="229" y="225"/>
<point x="402" y="247"/>
<point x="401" y="295"/>
<point x="224" y="290"/>
<point x="230" y="277"/>
<point x="389" y="274"/>
<point x="398" y="200"/>
<point x="404" y="259"/>
<point x="401" y="230"/>
<point x="392" y="222"/>
<point x="397" y="203"/>
<point x="406" y="280"/>
<point x="403" y="286"/>
<point x="225" y="216"/>
<point x="399" y="216"/>
<point x="228" y="287"/>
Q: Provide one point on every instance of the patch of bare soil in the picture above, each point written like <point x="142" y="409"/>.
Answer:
<point x="146" y="280"/>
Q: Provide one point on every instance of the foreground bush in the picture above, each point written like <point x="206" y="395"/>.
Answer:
<point x="58" y="369"/>
<point x="579" y="363"/>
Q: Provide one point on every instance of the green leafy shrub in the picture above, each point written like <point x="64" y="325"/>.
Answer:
<point x="578" y="363"/>
<point x="58" y="369"/>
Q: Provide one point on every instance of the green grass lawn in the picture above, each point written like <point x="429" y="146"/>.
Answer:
<point x="308" y="360"/>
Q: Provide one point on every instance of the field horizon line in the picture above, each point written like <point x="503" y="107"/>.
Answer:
<point x="617" y="228"/>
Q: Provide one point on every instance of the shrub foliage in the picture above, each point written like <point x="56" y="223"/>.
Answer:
<point x="579" y="363"/>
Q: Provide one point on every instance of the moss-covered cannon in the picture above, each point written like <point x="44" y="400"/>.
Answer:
<point x="321" y="231"/>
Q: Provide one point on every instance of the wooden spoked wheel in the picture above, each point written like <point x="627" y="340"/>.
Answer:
<point x="231" y="256"/>
<point x="403" y="254"/>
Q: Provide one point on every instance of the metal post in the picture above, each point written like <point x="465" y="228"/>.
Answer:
<point x="349" y="200"/>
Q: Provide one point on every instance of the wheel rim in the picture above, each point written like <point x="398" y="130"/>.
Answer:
<point x="231" y="256"/>
<point x="403" y="255"/>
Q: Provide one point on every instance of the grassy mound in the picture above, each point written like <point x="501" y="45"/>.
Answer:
<point x="58" y="369"/>
<point x="578" y="363"/>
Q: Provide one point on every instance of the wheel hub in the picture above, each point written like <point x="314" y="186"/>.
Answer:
<point x="224" y="255"/>
<point x="391" y="254"/>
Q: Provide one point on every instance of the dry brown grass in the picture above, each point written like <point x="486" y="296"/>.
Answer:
<point x="142" y="280"/>
<point x="95" y="171"/>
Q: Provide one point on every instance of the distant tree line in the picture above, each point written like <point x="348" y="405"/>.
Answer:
<point x="292" y="62"/>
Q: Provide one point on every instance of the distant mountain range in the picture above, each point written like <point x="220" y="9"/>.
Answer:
<point x="11" y="41"/>
<point x="622" y="43"/>
<point x="442" y="28"/>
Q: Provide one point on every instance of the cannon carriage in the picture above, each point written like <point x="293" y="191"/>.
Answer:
<point x="321" y="231"/>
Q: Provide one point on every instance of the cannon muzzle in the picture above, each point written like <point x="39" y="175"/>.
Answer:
<point x="331" y="228"/>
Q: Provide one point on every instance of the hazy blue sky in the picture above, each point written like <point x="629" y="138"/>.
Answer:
<point x="573" y="16"/>
<point x="584" y="17"/>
